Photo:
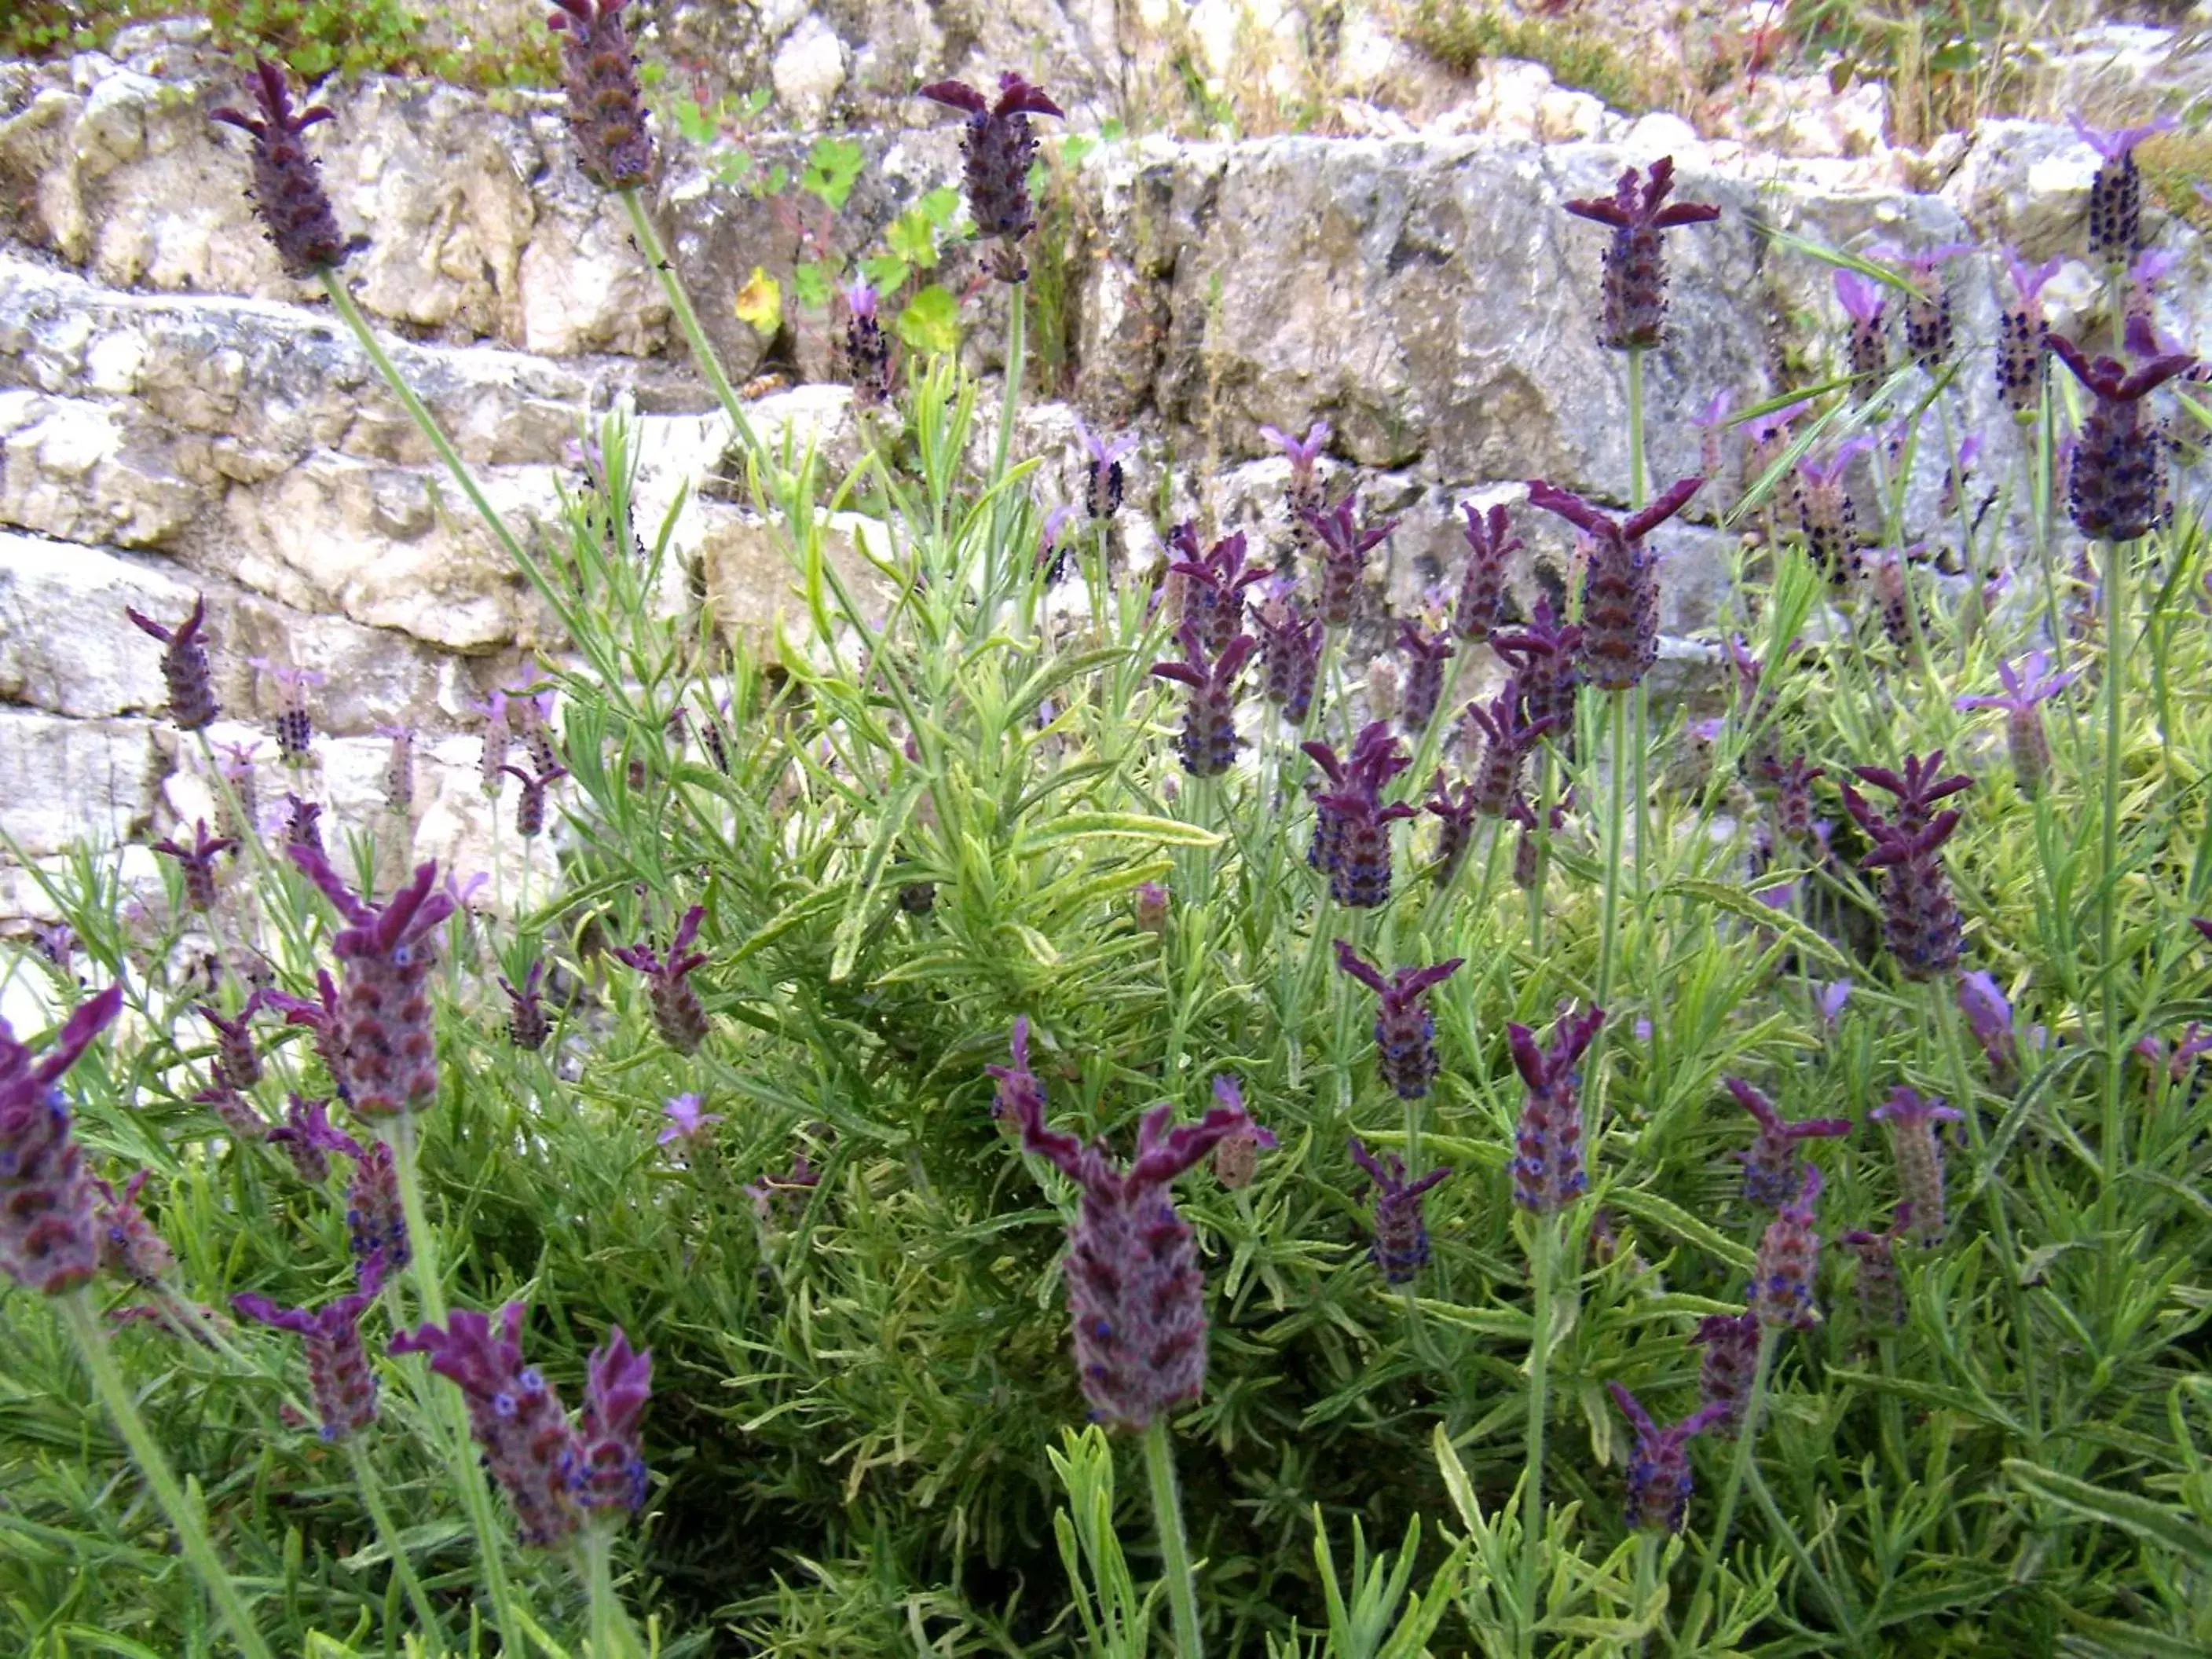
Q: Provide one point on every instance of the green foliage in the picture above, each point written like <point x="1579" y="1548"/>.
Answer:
<point x="1461" y="33"/>
<point x="929" y="323"/>
<point x="833" y="165"/>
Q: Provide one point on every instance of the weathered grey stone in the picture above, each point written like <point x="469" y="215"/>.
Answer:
<point x="88" y="471"/>
<point x="65" y="644"/>
<point x="66" y="780"/>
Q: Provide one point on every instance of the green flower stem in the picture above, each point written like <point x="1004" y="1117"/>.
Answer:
<point x="443" y="1410"/>
<point x="1175" y="1549"/>
<point x="1747" y="1439"/>
<point x="1609" y="942"/>
<point x="1640" y="486"/>
<point x="679" y="302"/>
<point x="372" y="1499"/>
<point x="613" y="1637"/>
<point x="1636" y="483"/>
<point x="2114" y="575"/>
<point x="1011" y="404"/>
<point x="1543" y="1251"/>
<point x="82" y="1319"/>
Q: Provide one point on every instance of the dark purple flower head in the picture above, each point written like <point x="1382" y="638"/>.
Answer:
<point x="386" y="1039"/>
<point x="606" y="105"/>
<point x="1102" y="481"/>
<point x="1209" y="740"/>
<point x="1352" y="825"/>
<point x="1912" y="1117"/>
<point x="1134" y="1286"/>
<point x="130" y="1247"/>
<point x="1547" y="1165"/>
<point x="1620" y="589"/>
<point x="999" y="147"/>
<point x="1544" y="655"/>
<point x="1454" y="809"/>
<point x="1635" y="264"/>
<point x="1788" y="1256"/>
<point x="2116" y="483"/>
<point x="295" y="730"/>
<point x="1509" y="736"/>
<point x="338" y="1373"/>
<point x="308" y="1138"/>
<point x="866" y="349"/>
<point x="49" y="1229"/>
<point x="530" y="804"/>
<point x="1882" y="1292"/>
<point x="1345" y="546"/>
<point x="1920" y="922"/>
<point x="1928" y="306"/>
<point x="1426" y="654"/>
<point x="1213" y="591"/>
<point x="527" y="1026"/>
<point x="1659" y="1474"/>
<point x="1019" y="1096"/>
<point x="301" y="825"/>
<point x="1728" y="1367"/>
<point x="2116" y="193"/>
<point x="197" y="862"/>
<point x="237" y="1060"/>
<point x="1401" y="1244"/>
<point x="1289" y="656"/>
<point x="513" y="1413"/>
<point x="1864" y="298"/>
<point x="376" y="1223"/>
<point x="288" y="181"/>
<point x="605" y="1469"/>
<point x="1773" y="1172"/>
<point x="1405" y="1030"/>
<point x="1302" y="452"/>
<point x="1490" y="542"/>
<point x="677" y="1013"/>
<point x="1917" y="788"/>
<point x="185" y="668"/>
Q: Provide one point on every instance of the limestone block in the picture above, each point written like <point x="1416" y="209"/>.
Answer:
<point x="88" y="471"/>
<point x="63" y="780"/>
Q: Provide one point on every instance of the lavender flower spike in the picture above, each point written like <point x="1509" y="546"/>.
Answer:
<point x="339" y="1374"/>
<point x="1213" y="591"/>
<point x="606" y="104"/>
<point x="1635" y="262"/>
<point x="197" y="862"/>
<point x="308" y="1138"/>
<point x="2023" y="337"/>
<point x="1729" y="1367"/>
<point x="515" y="1416"/>
<point x="1236" y="1156"/>
<point x="1659" y="1474"/>
<point x="376" y="1221"/>
<point x="1547" y="1166"/>
<point x="1866" y="303"/>
<point x="1289" y="656"/>
<point x="1401" y="1244"/>
<point x="1788" y="1256"/>
<point x="1303" y="497"/>
<point x="2116" y="487"/>
<point x="2116" y="193"/>
<point x="1920" y="922"/>
<point x="1773" y="1172"/>
<point x="1134" y="1292"/>
<point x="1426" y="654"/>
<point x="998" y="147"/>
<point x="1912" y="1118"/>
<point x="1490" y="542"/>
<point x="604" y="1468"/>
<point x="185" y="668"/>
<point x="1209" y="741"/>
<point x="866" y="352"/>
<point x="49" y="1231"/>
<point x="386" y="1043"/>
<point x="527" y="1026"/>
<point x="1881" y="1292"/>
<point x="1405" y="1030"/>
<point x="1102" y="484"/>
<point x="677" y="1013"/>
<point x="288" y="183"/>
<point x="1352" y="826"/>
<point x="686" y="1121"/>
<point x="1621" y="591"/>
<point x="1345" y="547"/>
<point x="2024" y="733"/>
<point x="1509" y="736"/>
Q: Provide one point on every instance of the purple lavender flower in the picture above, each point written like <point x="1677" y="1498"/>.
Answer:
<point x="1620" y="590"/>
<point x="677" y="1013"/>
<point x="1345" y="546"/>
<point x="1894" y="599"/>
<point x="527" y="1026"/>
<point x="295" y="730"/>
<point x="1019" y="1095"/>
<point x="1928" y="333"/>
<point x="130" y="1247"/>
<point x="1728" y="1367"/>
<point x="1352" y="826"/>
<point x="1545" y="656"/>
<point x="1214" y="592"/>
<point x="686" y="1122"/>
<point x="1102" y="483"/>
<point x="1134" y="1292"/>
<point x="2116" y="486"/>
<point x="240" y="1115"/>
<point x="1920" y="922"/>
<point x="1793" y="801"/>
<point x="339" y="1374"/>
<point x="301" y="826"/>
<point x="387" y="1041"/>
<point x="1400" y="1243"/>
<point x="1826" y="514"/>
<point x="236" y="766"/>
<point x="2024" y="337"/>
<point x="1866" y="301"/>
<point x="49" y="1231"/>
<point x="1051" y="544"/>
<point x="605" y="1469"/>
<point x="308" y="1138"/>
<point x="1426" y="654"/>
<point x="1405" y="1030"/>
<point x="1528" y="845"/>
<point x="185" y="668"/>
<point x="2116" y="193"/>
<point x="197" y="862"/>
<point x="1237" y="1155"/>
<point x="1882" y="1292"/>
<point x="2150" y="268"/>
<point x="529" y="715"/>
<point x="1635" y="262"/>
<point x="376" y="1224"/>
<point x="2024" y="733"/>
<point x="1830" y="1001"/>
<point x="515" y="1416"/>
<point x="606" y="105"/>
<point x="999" y="147"/>
<point x="320" y="1017"/>
<point x="1547" y="1166"/>
<point x="288" y="184"/>
<point x="1659" y="1474"/>
<point x="1509" y="737"/>
<point x="1788" y="1256"/>
<point x="1912" y="1118"/>
<point x="1303" y="497"/>
<point x="1289" y="656"/>
<point x="1490" y="542"/>
<point x="866" y="351"/>
<point x="237" y="1060"/>
<point x="1454" y="809"/>
<point x="1209" y="741"/>
<point x="498" y="736"/>
<point x="1152" y="904"/>
<point x="1773" y="1172"/>
<point x="530" y="804"/>
<point x="780" y="1200"/>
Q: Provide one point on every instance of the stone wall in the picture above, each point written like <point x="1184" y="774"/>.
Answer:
<point x="177" y="416"/>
